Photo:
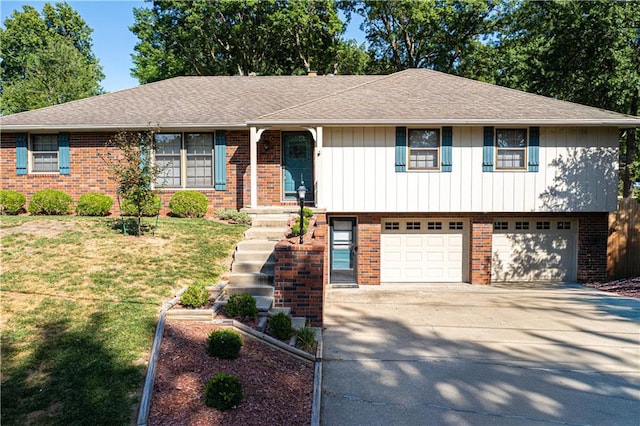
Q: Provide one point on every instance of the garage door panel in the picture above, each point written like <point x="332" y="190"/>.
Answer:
<point x="541" y="254"/>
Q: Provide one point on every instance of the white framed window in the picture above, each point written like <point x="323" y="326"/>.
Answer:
<point x="392" y="226"/>
<point x="456" y="225"/>
<point x="185" y="160"/>
<point x="424" y="149"/>
<point x="413" y="226"/>
<point x="521" y="226"/>
<point x="543" y="225"/>
<point x="434" y="226"/>
<point x="511" y="149"/>
<point x="564" y="225"/>
<point x="44" y="154"/>
<point x="500" y="226"/>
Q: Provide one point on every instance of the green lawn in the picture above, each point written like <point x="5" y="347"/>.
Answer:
<point x="79" y="304"/>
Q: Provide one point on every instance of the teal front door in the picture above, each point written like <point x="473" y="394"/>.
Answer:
<point x="297" y="164"/>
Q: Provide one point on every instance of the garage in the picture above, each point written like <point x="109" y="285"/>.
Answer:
<point x="424" y="250"/>
<point x="534" y="250"/>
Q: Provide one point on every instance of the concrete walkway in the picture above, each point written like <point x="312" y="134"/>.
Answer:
<point x="455" y="354"/>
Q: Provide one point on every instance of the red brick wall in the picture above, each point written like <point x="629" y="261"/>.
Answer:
<point x="593" y="231"/>
<point x="299" y="281"/>
<point x="481" y="237"/>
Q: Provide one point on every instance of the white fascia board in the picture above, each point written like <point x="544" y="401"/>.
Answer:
<point x="458" y="122"/>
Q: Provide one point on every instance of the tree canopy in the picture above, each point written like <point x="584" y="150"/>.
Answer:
<point x="46" y="58"/>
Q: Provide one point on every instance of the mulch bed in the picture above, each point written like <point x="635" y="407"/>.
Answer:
<point x="629" y="287"/>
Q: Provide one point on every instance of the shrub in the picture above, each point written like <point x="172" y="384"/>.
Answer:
<point x="233" y="215"/>
<point x="188" y="204"/>
<point x="195" y="296"/>
<point x="50" y="202"/>
<point x="295" y="228"/>
<point x="280" y="326"/>
<point x="306" y="338"/>
<point x="94" y="204"/>
<point x="224" y="344"/>
<point x="307" y="212"/>
<point x="223" y="391"/>
<point x="242" y="306"/>
<point x="11" y="202"/>
<point x="150" y="209"/>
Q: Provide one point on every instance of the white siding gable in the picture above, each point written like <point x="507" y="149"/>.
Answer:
<point x="578" y="173"/>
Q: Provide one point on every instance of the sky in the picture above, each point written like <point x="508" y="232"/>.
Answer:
<point x="113" y="43"/>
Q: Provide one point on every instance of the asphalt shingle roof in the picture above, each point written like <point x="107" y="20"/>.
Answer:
<point x="407" y="97"/>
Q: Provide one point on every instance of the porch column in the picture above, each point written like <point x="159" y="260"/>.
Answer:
<point x="318" y="168"/>
<point x="254" y="136"/>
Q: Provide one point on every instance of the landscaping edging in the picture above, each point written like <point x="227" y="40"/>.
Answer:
<point x="208" y="316"/>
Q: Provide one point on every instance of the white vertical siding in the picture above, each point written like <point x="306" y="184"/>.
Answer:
<point x="578" y="172"/>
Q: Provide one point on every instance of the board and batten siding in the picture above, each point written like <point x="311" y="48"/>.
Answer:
<point x="578" y="173"/>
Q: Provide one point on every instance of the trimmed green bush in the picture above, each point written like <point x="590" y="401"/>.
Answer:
<point x="223" y="391"/>
<point x="50" y="202"/>
<point x="224" y="344"/>
<point x="295" y="228"/>
<point x="306" y="338"/>
<point x="307" y="212"/>
<point x="188" y="204"/>
<point x="94" y="204"/>
<point x="280" y="326"/>
<point x="241" y="306"/>
<point x="11" y="202"/>
<point x="195" y="296"/>
<point x="152" y="208"/>
<point x="233" y="215"/>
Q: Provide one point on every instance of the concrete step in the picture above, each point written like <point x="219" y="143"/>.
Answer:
<point x="275" y="311"/>
<point x="263" y="303"/>
<point x="251" y="287"/>
<point x="236" y="278"/>
<point x="256" y="245"/>
<point x="249" y="266"/>
<point x="273" y="234"/>
<point x="264" y="256"/>
<point x="270" y="221"/>
<point x="298" y="322"/>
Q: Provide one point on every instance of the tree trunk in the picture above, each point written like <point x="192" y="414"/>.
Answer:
<point x="631" y="148"/>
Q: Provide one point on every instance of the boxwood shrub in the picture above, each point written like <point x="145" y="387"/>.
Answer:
<point x="242" y="306"/>
<point x="50" y="202"/>
<point x="94" y="204"/>
<point x="224" y="344"/>
<point x="150" y="209"/>
<point x="223" y="391"/>
<point x="11" y="202"/>
<point x="188" y="204"/>
<point x="195" y="296"/>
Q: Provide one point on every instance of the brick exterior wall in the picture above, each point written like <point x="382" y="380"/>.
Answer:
<point x="593" y="231"/>
<point x="481" y="237"/>
<point x="300" y="278"/>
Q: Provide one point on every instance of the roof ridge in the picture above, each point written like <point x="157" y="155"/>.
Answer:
<point x="339" y="92"/>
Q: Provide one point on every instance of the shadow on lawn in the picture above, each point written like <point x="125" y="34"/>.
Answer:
<point x="71" y="377"/>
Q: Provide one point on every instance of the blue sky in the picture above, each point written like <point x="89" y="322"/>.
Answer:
<point x="113" y="43"/>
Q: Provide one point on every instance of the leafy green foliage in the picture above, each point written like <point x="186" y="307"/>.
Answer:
<point x="195" y="296"/>
<point x="280" y="326"/>
<point x="307" y="212"/>
<point x="11" y="202"/>
<point x="94" y="204"/>
<point x="295" y="228"/>
<point x="188" y="204"/>
<point x="230" y="37"/>
<point x="306" y="339"/>
<point x="233" y="215"/>
<point x="50" y="202"/>
<point x="224" y="344"/>
<point x="130" y="165"/>
<point x="242" y="306"/>
<point x="223" y="391"/>
<point x="46" y="58"/>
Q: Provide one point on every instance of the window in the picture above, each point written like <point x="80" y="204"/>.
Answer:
<point x="543" y="225"/>
<point x="522" y="226"/>
<point x="413" y="226"/>
<point x="511" y="145"/>
<point x="455" y="225"/>
<point x="184" y="162"/>
<point x="434" y="225"/>
<point x="392" y="226"/>
<point x="44" y="153"/>
<point x="500" y="226"/>
<point x="424" y="147"/>
<point x="564" y="225"/>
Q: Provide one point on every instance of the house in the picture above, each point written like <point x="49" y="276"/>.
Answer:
<point x="424" y="176"/>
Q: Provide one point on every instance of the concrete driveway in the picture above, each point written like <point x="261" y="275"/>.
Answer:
<point x="465" y="355"/>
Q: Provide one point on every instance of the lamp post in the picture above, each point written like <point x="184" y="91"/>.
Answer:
<point x="302" y="192"/>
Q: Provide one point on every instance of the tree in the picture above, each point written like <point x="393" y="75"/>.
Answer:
<point x="422" y="33"/>
<point x="54" y="47"/>
<point x="585" y="52"/>
<point x="130" y="165"/>
<point x="229" y="37"/>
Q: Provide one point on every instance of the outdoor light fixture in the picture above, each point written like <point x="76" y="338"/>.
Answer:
<point x="302" y="192"/>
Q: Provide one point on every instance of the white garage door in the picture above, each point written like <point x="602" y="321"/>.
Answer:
<point x="423" y="250"/>
<point x="534" y="249"/>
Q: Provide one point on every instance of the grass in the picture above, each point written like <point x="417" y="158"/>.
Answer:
<point x="79" y="307"/>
